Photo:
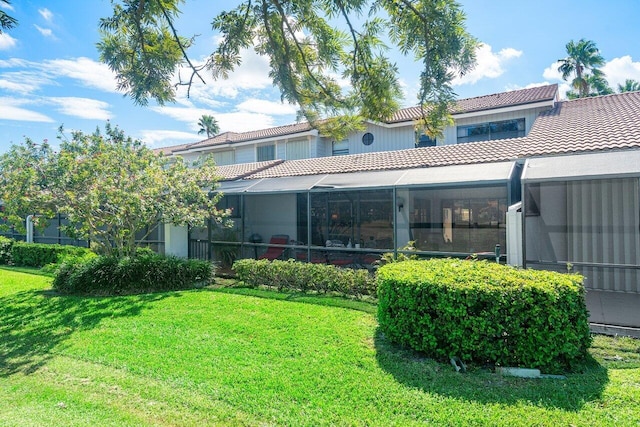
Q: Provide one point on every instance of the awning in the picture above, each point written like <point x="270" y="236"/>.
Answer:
<point x="475" y="174"/>
<point x="612" y="164"/>
<point x="456" y="175"/>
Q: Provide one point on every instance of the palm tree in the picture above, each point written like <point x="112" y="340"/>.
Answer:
<point x="208" y="125"/>
<point x="630" y="85"/>
<point x="582" y="58"/>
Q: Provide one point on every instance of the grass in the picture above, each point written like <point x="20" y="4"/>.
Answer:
<point x="251" y="357"/>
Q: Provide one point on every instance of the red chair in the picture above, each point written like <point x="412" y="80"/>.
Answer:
<point x="275" y="252"/>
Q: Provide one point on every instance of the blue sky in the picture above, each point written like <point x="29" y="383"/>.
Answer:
<point x="50" y="74"/>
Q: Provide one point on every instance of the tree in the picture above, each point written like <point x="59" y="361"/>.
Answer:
<point x="597" y="85"/>
<point x="582" y="57"/>
<point x="208" y="125"/>
<point x="7" y="22"/>
<point x="112" y="189"/>
<point x="630" y="85"/>
<point x="308" y="54"/>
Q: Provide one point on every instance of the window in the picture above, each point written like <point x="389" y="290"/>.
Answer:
<point x="224" y="157"/>
<point x="425" y="141"/>
<point x="491" y="130"/>
<point x="265" y="152"/>
<point x="340" y="148"/>
<point x="367" y="138"/>
<point x="298" y="150"/>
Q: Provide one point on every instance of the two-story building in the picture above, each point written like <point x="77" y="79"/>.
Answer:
<point x="556" y="184"/>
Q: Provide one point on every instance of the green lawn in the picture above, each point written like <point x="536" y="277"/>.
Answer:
<point x="245" y="357"/>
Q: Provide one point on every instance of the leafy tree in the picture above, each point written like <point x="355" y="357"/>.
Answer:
<point x="7" y="22"/>
<point x="582" y="57"/>
<point x="630" y="85"/>
<point x="307" y="53"/>
<point x="112" y="189"/>
<point x="208" y="125"/>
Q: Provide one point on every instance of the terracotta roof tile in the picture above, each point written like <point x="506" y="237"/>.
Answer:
<point x="487" y="102"/>
<point x="603" y="123"/>
<point x="232" y="137"/>
<point x="242" y="170"/>
<point x="504" y="99"/>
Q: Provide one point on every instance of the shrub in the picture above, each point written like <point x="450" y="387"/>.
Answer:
<point x="5" y="250"/>
<point x="299" y="276"/>
<point x="485" y="312"/>
<point x="40" y="254"/>
<point x="128" y="275"/>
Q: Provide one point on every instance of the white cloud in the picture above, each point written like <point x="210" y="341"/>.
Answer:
<point x="489" y="64"/>
<point x="252" y="74"/>
<point x="263" y="106"/>
<point x="244" y="122"/>
<point x="24" y="82"/>
<point x="620" y="69"/>
<point x="237" y="121"/>
<point x="83" y="108"/>
<point x="87" y="71"/>
<point x="10" y="109"/>
<point x="6" y="6"/>
<point x="7" y="42"/>
<point x="46" y="32"/>
<point x="158" y="137"/>
<point x="46" y="14"/>
<point x="551" y="72"/>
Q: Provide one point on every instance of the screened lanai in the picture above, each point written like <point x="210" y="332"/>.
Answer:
<point x="582" y="212"/>
<point x="352" y="218"/>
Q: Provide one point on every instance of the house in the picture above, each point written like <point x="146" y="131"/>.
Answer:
<point x="556" y="184"/>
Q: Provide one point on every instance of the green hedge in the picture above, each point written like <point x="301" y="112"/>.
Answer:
<point x="40" y="254"/>
<point x="300" y="276"/>
<point x="130" y="275"/>
<point x="485" y="313"/>
<point x="5" y="250"/>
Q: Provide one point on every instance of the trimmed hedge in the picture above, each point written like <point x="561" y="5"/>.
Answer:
<point x="131" y="275"/>
<point x="485" y="313"/>
<point x="5" y="250"/>
<point x="300" y="276"/>
<point x="40" y="254"/>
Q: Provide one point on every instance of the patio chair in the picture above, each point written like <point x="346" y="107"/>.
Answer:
<point x="275" y="252"/>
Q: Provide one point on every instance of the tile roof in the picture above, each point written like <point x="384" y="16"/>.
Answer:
<point x="233" y="137"/>
<point x="603" y="123"/>
<point x="242" y="170"/>
<point x="480" y="103"/>
<point x="488" y="102"/>
<point x="598" y="123"/>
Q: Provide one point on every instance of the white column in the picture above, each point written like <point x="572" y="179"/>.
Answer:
<point x="176" y="240"/>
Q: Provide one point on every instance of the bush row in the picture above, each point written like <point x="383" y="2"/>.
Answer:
<point x="485" y="312"/>
<point x="36" y="254"/>
<point x="128" y="275"/>
<point x="299" y="276"/>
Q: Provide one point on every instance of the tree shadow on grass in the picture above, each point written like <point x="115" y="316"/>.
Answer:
<point x="482" y="385"/>
<point x="33" y="323"/>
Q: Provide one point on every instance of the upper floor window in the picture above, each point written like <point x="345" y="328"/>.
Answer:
<point x="265" y="152"/>
<point x="298" y="150"/>
<point x="224" y="157"/>
<point x="491" y="130"/>
<point x="423" y="140"/>
<point x="340" y="148"/>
